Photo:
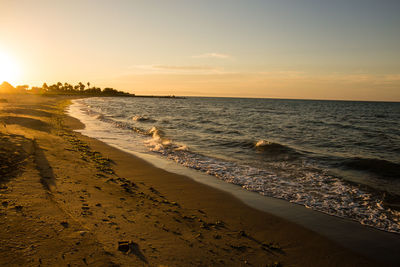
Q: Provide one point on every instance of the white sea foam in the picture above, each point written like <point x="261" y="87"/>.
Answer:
<point x="305" y="186"/>
<point x="262" y="143"/>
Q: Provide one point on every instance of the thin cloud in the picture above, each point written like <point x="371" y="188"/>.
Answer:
<point x="172" y="69"/>
<point x="284" y="74"/>
<point x="183" y="68"/>
<point x="392" y="77"/>
<point x="213" y="55"/>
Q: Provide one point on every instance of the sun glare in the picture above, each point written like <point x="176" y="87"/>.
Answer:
<point x="9" y="70"/>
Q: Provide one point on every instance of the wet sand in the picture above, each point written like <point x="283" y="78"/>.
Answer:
<point x="69" y="199"/>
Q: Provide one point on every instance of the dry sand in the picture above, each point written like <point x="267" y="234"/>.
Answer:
<point x="66" y="199"/>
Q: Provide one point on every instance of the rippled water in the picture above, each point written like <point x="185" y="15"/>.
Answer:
<point x="337" y="157"/>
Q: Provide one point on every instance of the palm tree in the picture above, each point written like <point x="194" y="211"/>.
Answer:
<point x="59" y="85"/>
<point x="81" y="86"/>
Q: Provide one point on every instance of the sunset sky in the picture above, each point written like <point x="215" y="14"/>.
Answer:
<point x="281" y="49"/>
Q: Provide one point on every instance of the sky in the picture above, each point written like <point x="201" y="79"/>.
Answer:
<point x="305" y="49"/>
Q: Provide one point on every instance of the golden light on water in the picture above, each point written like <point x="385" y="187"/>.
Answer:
<point x="9" y="69"/>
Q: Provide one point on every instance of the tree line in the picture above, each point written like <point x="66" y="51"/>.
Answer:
<point x="62" y="89"/>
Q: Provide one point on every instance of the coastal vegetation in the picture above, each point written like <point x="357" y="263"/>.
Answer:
<point x="62" y="89"/>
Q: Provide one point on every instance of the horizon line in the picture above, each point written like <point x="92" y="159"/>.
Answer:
<point x="273" y="98"/>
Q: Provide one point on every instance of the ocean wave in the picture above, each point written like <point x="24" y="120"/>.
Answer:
<point x="236" y="143"/>
<point x="160" y="143"/>
<point x="118" y="124"/>
<point x="139" y="118"/>
<point x="156" y="133"/>
<point x="265" y="143"/>
<point x="384" y="168"/>
<point x="213" y="130"/>
<point x="340" y="125"/>
<point x="318" y="191"/>
<point x="273" y="149"/>
<point x="265" y="147"/>
<point x="270" y="170"/>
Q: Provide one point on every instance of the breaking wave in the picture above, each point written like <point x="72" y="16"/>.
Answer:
<point x="235" y="150"/>
<point x="276" y="150"/>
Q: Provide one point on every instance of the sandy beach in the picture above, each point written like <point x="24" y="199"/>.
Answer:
<point x="69" y="200"/>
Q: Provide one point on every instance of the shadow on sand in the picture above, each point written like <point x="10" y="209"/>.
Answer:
<point x="47" y="177"/>
<point x="33" y="124"/>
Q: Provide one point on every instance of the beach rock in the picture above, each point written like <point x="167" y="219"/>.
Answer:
<point x="130" y="247"/>
<point x="126" y="246"/>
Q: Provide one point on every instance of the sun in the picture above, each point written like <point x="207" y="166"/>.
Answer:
<point x="9" y="69"/>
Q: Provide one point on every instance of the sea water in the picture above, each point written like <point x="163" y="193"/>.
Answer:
<point x="337" y="157"/>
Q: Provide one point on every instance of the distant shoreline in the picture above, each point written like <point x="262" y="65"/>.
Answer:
<point x="160" y="96"/>
<point x="94" y="95"/>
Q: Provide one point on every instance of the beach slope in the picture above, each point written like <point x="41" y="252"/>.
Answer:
<point x="69" y="199"/>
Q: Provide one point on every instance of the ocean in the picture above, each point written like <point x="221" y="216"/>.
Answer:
<point x="338" y="157"/>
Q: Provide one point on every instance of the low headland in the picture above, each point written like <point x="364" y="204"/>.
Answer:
<point x="69" y="200"/>
<point x="67" y="89"/>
